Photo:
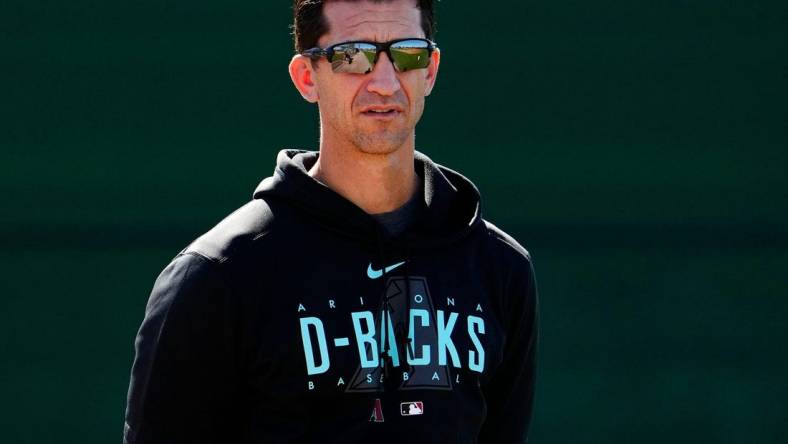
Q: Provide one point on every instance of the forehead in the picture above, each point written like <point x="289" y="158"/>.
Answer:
<point x="365" y="20"/>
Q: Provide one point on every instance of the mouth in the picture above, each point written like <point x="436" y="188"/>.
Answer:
<point x="382" y="111"/>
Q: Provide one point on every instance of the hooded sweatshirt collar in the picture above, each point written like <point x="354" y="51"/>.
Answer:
<point x="450" y="202"/>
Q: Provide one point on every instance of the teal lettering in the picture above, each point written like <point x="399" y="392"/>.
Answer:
<point x="476" y="358"/>
<point x="365" y="339"/>
<point x="306" y="338"/>
<point x="388" y="336"/>
<point x="425" y="349"/>
<point x="444" y="340"/>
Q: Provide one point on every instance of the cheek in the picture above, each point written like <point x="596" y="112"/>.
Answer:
<point x="418" y="107"/>
<point x="337" y="97"/>
<point x="328" y="102"/>
<point x="416" y="87"/>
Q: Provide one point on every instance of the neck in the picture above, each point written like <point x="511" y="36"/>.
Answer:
<point x="376" y="183"/>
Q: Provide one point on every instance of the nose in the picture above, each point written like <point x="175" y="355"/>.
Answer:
<point x="383" y="78"/>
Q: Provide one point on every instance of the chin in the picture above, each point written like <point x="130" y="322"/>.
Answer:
<point x="378" y="149"/>
<point x="380" y="144"/>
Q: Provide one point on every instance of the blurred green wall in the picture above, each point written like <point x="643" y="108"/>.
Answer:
<point x="636" y="148"/>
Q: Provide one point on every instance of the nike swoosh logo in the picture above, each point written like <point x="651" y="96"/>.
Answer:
<point x="374" y="274"/>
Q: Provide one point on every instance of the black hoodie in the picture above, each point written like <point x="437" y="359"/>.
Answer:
<point x="297" y="319"/>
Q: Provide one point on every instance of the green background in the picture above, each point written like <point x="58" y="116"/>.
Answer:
<point x="636" y="148"/>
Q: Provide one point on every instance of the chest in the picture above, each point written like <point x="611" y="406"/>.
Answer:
<point x="350" y="325"/>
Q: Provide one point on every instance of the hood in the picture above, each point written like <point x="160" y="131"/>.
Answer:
<point x="450" y="203"/>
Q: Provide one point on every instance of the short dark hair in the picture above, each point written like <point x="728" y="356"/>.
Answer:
<point x="309" y="23"/>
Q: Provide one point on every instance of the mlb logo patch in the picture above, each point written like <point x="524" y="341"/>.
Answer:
<point x="411" y="408"/>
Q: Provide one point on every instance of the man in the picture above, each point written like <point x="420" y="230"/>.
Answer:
<point x="359" y="297"/>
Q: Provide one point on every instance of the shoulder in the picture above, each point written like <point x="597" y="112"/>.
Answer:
<point x="512" y="262"/>
<point x="504" y="244"/>
<point x="236" y="232"/>
<point x="516" y="271"/>
<point x="196" y="284"/>
<point x="187" y="278"/>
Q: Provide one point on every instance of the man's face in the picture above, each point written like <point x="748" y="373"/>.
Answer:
<point x="345" y="99"/>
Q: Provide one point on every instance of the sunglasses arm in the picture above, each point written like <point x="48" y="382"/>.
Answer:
<point x="315" y="53"/>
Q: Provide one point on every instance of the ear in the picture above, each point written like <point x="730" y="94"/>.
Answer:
<point x="432" y="71"/>
<point x="303" y="76"/>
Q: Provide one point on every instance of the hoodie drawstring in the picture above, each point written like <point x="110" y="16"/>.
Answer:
<point x="406" y="343"/>
<point x="384" y="310"/>
<point x="401" y="336"/>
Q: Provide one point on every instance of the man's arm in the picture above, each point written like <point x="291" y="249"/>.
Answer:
<point x="182" y="387"/>
<point x="510" y="393"/>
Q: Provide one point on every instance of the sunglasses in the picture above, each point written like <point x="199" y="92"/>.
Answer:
<point x="360" y="57"/>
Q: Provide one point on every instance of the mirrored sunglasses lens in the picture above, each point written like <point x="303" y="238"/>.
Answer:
<point x="410" y="54"/>
<point x="355" y="58"/>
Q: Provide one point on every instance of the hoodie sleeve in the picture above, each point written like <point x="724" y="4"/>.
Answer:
<point x="182" y="379"/>
<point x="510" y="393"/>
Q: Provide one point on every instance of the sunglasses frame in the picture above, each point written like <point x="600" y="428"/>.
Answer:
<point x="328" y="52"/>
